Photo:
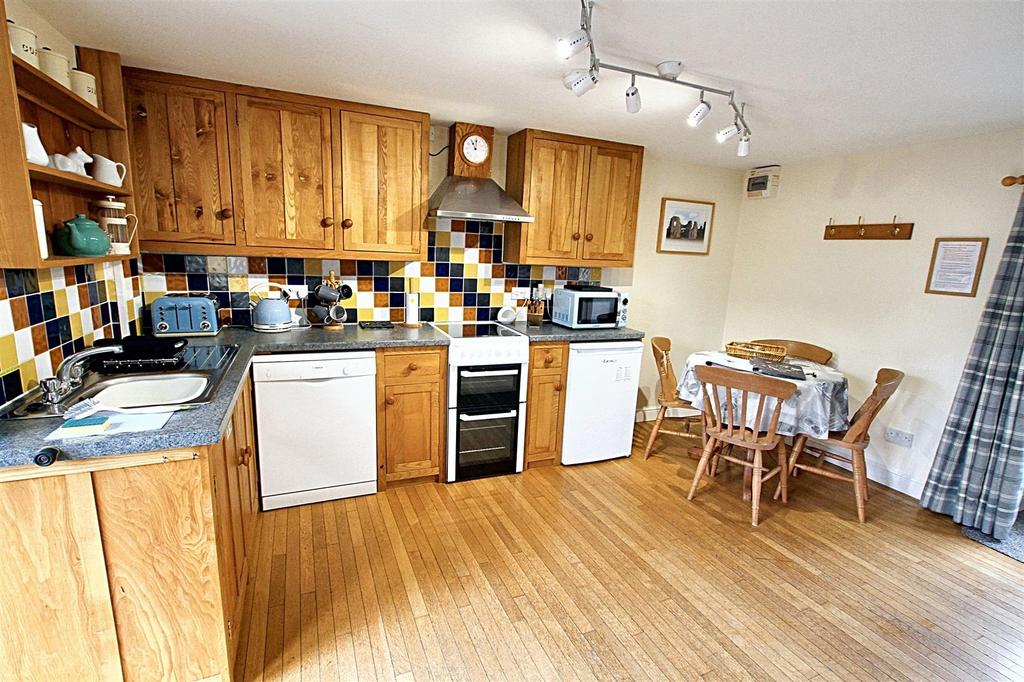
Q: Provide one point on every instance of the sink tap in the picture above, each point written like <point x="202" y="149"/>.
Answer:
<point x="69" y="373"/>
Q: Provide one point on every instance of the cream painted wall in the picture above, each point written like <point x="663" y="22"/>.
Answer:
<point x="47" y="35"/>
<point x="682" y="297"/>
<point x="866" y="300"/>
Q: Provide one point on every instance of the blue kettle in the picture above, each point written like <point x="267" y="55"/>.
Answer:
<point x="271" y="314"/>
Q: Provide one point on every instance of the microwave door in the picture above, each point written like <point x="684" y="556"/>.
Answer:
<point x="597" y="310"/>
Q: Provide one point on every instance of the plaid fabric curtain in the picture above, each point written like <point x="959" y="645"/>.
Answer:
<point x="978" y="474"/>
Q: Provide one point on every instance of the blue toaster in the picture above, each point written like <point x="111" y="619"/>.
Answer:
<point x="184" y="316"/>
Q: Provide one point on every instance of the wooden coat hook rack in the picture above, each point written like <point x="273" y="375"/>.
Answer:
<point x="862" y="230"/>
<point x="1011" y="180"/>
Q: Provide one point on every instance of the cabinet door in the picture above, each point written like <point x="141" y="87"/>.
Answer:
<point x="556" y="193"/>
<point x="285" y="161"/>
<point x="180" y="171"/>
<point x="412" y="430"/>
<point x="243" y="472"/>
<point x="613" y="191"/>
<point x="382" y="203"/>
<point x="226" y="536"/>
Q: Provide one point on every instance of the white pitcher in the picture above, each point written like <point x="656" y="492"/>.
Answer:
<point x="110" y="172"/>
<point x="35" y="152"/>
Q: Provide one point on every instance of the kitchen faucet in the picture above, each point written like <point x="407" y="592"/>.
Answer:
<point x="69" y="373"/>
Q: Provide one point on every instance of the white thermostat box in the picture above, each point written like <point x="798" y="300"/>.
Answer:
<point x="763" y="182"/>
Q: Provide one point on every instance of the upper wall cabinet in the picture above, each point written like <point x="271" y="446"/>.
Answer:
<point x="382" y="186"/>
<point x="583" y="194"/>
<point x="285" y="174"/>
<point x="182" y="177"/>
<point x="232" y="169"/>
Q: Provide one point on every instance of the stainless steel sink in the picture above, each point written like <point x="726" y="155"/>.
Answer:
<point x="193" y="384"/>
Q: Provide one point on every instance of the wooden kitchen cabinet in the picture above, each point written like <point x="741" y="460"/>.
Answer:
<point x="583" y="194"/>
<point x="411" y="410"/>
<point x="181" y="173"/>
<point x="129" y="567"/>
<point x="545" y="403"/>
<point x="382" y="186"/>
<point x="285" y="174"/>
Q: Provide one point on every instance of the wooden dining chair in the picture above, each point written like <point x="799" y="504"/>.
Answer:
<point x="723" y="426"/>
<point x="799" y="349"/>
<point x="668" y="397"/>
<point x="854" y="439"/>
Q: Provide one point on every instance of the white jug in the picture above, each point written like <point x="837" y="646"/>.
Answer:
<point x="35" y="152"/>
<point x="110" y="172"/>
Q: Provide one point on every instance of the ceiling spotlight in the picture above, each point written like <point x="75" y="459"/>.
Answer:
<point x="580" y="81"/>
<point x="571" y="45"/>
<point x="632" y="97"/>
<point x="726" y="133"/>
<point x="743" y="148"/>
<point x="670" y="69"/>
<point x="699" y="112"/>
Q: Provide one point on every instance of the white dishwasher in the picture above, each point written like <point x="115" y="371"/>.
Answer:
<point x="600" y="400"/>
<point x="316" y="426"/>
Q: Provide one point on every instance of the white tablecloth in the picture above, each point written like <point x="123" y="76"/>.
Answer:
<point x="820" y="404"/>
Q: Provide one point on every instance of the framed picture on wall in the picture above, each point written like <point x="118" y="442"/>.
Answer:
<point x="685" y="226"/>
<point x="956" y="266"/>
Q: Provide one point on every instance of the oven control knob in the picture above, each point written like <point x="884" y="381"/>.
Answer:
<point x="625" y="301"/>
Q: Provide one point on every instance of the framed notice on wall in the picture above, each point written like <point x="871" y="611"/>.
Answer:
<point x="956" y="266"/>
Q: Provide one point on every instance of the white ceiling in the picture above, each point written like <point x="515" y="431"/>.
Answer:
<point x="820" y="78"/>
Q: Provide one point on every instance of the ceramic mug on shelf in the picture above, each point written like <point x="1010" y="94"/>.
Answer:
<point x="23" y="43"/>
<point x="110" y="172"/>
<point x="35" y="152"/>
<point x="56" y="66"/>
<point x="84" y="85"/>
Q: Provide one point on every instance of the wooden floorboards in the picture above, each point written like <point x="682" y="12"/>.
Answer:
<point x="606" y="571"/>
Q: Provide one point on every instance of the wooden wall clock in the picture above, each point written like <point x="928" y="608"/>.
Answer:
<point x="469" y="150"/>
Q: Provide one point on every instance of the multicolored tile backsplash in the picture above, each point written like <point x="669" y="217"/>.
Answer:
<point x="48" y="314"/>
<point x="463" y="278"/>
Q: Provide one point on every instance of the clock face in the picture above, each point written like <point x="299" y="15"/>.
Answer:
<point x="475" y="149"/>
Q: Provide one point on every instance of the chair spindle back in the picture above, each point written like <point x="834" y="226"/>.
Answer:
<point x="662" y="348"/>
<point x="722" y="421"/>
<point x="886" y="382"/>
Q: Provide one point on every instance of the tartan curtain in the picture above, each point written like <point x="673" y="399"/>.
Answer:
<point x="978" y="473"/>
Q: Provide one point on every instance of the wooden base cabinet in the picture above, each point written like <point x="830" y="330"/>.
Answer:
<point x="411" y="410"/>
<point x="545" y="404"/>
<point x="130" y="567"/>
<point x="583" y="195"/>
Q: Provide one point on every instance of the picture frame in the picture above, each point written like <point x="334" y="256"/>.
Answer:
<point x="955" y="269"/>
<point x="685" y="226"/>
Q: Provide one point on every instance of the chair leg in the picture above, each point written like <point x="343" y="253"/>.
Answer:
<point x="783" y="463"/>
<point x="701" y="465"/>
<point x="747" y="476"/>
<point x="859" y="476"/>
<point x="654" y="431"/>
<point x="798" y="448"/>
<point x="755" y="490"/>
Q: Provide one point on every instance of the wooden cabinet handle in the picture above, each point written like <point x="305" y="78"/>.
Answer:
<point x="576" y="237"/>
<point x="548" y="359"/>
<point x="141" y="112"/>
<point x="225" y="214"/>
<point x="327" y="222"/>
<point x="244" y="456"/>
<point x="346" y="223"/>
<point x="413" y="367"/>
<point x="390" y="400"/>
<point x="558" y="387"/>
<point x="590" y="237"/>
<point x="199" y="212"/>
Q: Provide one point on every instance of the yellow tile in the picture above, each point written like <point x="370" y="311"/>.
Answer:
<point x="443" y="239"/>
<point x="440" y="314"/>
<point x="76" y="325"/>
<point x="595" y="274"/>
<point x="537" y="272"/>
<point x="483" y="285"/>
<point x="60" y="299"/>
<point x="8" y="353"/>
<point x="29" y="378"/>
<point x="469" y="272"/>
<point x="45" y="277"/>
<point x="312" y="266"/>
<point x="238" y="283"/>
<point x="111" y="290"/>
<point x="150" y="296"/>
<point x="458" y="255"/>
<point x="497" y="299"/>
<point x="427" y="300"/>
<point x="364" y="314"/>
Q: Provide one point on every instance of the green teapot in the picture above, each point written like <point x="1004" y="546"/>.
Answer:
<point x="81" y="237"/>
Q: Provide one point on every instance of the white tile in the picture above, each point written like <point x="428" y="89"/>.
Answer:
<point x="238" y="265"/>
<point x="57" y="277"/>
<point x="364" y="299"/>
<point x="381" y="314"/>
<point x="86" y="322"/>
<point x="44" y="368"/>
<point x="443" y="225"/>
<point x="6" y="319"/>
<point x="427" y="284"/>
<point x="549" y="272"/>
<point x="154" y="283"/>
<point x="412" y="269"/>
<point x="330" y="264"/>
<point x="23" y="342"/>
<point x="458" y="240"/>
<point x="455" y="314"/>
<point x="73" y="303"/>
<point x="441" y="299"/>
<point x="217" y="264"/>
<point x="484" y="271"/>
<point x="471" y="256"/>
<point x="98" y="334"/>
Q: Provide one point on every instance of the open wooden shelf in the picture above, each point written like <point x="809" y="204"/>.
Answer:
<point x="47" y="174"/>
<point x="55" y="261"/>
<point x="36" y="86"/>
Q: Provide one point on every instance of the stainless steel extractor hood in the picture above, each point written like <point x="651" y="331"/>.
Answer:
<point x="475" y="199"/>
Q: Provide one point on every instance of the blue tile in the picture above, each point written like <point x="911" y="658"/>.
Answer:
<point x="486" y="241"/>
<point x="295" y="266"/>
<point x="239" y="299"/>
<point x="426" y="314"/>
<point x="49" y="305"/>
<point x="455" y="284"/>
<point x="457" y="270"/>
<point x="64" y="328"/>
<point x="105" y="314"/>
<point x="350" y="314"/>
<point x="523" y="282"/>
<point x="574" y="273"/>
<point x="486" y="227"/>
<point x="396" y="299"/>
<point x="313" y="282"/>
<point x="431" y="254"/>
<point x="277" y="266"/>
<point x="195" y="264"/>
<point x="52" y="334"/>
<point x="442" y="269"/>
<point x="197" y="282"/>
<point x="35" y="308"/>
<point x="431" y="238"/>
<point x="443" y="254"/>
<point x="364" y="268"/>
<point x="473" y="226"/>
<point x="67" y="348"/>
<point x="296" y="280"/>
<point x="396" y="284"/>
<point x="133" y="267"/>
<point x="78" y="344"/>
<point x="469" y="285"/>
<point x="218" y="282"/>
<point x="172" y="263"/>
<point x="21" y="282"/>
<point x="469" y="300"/>
<point x="10" y="385"/>
<point x="223" y="299"/>
<point x="382" y="284"/>
<point x="381" y="268"/>
<point x="241" y="317"/>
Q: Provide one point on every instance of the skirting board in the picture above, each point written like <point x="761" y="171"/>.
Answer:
<point x="877" y="471"/>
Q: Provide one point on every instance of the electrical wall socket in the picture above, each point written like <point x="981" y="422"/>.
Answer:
<point x="520" y="293"/>
<point x="904" y="439"/>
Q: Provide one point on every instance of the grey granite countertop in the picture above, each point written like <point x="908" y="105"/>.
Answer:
<point x="553" y="332"/>
<point x="203" y="425"/>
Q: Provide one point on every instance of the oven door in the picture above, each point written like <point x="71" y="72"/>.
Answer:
<point x="485" y="387"/>
<point x="485" y="442"/>
<point x="597" y="311"/>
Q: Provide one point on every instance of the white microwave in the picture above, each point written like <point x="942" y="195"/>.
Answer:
<point x="589" y="309"/>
